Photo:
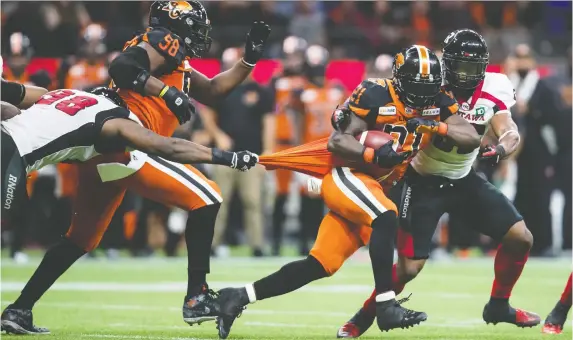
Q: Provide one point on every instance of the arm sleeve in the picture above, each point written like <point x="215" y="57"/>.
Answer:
<point x="127" y="66"/>
<point x="12" y="93"/>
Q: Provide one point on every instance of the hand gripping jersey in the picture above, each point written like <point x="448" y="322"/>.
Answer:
<point x="152" y="111"/>
<point x="319" y="102"/>
<point x="375" y="100"/>
<point x="64" y="125"/>
<point x="493" y="96"/>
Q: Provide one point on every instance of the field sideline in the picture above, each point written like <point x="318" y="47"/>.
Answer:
<point x="141" y="299"/>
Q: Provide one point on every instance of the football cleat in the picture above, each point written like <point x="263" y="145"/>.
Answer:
<point x="390" y="315"/>
<point x="356" y="326"/>
<point x="505" y="313"/>
<point x="201" y="307"/>
<point x="232" y="302"/>
<point x="556" y="319"/>
<point x="20" y="321"/>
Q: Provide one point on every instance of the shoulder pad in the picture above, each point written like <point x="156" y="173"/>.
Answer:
<point x="370" y="95"/>
<point x="498" y="89"/>
<point x="168" y="44"/>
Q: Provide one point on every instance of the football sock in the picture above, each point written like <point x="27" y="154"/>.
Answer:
<point x="370" y="304"/>
<point x="382" y="250"/>
<point x="55" y="262"/>
<point x="290" y="277"/>
<point x="198" y="237"/>
<point x="566" y="296"/>
<point x="508" y="267"/>
<point x="278" y="221"/>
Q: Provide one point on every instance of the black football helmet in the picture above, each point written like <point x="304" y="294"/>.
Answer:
<point x="465" y="58"/>
<point x="417" y="76"/>
<point x="188" y="20"/>
<point x="110" y="94"/>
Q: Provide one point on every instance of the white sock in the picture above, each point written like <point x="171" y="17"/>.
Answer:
<point x="389" y="295"/>
<point x="251" y="293"/>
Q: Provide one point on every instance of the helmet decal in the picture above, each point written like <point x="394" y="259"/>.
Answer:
<point x="424" y="60"/>
<point x="176" y="8"/>
<point x="399" y="60"/>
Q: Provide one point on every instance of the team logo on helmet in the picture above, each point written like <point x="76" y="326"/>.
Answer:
<point x="399" y="60"/>
<point x="176" y="8"/>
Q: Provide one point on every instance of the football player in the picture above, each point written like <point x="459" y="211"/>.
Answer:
<point x="409" y="106"/>
<point x="20" y="95"/>
<point x="555" y="321"/>
<point x="440" y="179"/>
<point x="153" y="77"/>
<point x="84" y="126"/>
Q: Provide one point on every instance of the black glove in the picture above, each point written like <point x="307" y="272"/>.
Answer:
<point x="178" y="103"/>
<point x="492" y="154"/>
<point x="386" y="158"/>
<point x="241" y="160"/>
<point x="422" y="125"/>
<point x="255" y="44"/>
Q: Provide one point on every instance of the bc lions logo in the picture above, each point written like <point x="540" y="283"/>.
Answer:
<point x="176" y="8"/>
<point x="399" y="60"/>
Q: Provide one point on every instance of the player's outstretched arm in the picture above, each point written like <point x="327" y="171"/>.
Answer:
<point x="173" y="149"/>
<point x="462" y="132"/>
<point x="209" y="91"/>
<point x="20" y="95"/>
<point x="506" y="132"/>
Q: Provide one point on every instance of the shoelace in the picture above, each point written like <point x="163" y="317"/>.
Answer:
<point x="212" y="294"/>
<point x="406" y="310"/>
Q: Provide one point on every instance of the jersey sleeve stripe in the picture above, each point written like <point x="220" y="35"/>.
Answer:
<point x="499" y="103"/>
<point x="359" y="111"/>
<point x="454" y="108"/>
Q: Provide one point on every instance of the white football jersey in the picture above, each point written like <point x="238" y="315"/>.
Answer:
<point x="495" y="95"/>
<point x="64" y="125"/>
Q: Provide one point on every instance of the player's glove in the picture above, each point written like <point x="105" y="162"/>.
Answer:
<point x="492" y="154"/>
<point x="178" y="103"/>
<point x="385" y="156"/>
<point x="241" y="160"/>
<point x="255" y="44"/>
<point x="421" y="125"/>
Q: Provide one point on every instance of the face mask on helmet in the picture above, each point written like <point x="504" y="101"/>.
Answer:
<point x="198" y="42"/>
<point x="464" y="74"/>
<point x="418" y="93"/>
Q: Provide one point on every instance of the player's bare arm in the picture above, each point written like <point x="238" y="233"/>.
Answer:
<point x="8" y="110"/>
<point x="20" y="95"/>
<point x="505" y="129"/>
<point x="209" y="91"/>
<point x="462" y="132"/>
<point x="173" y="149"/>
<point x="342" y="142"/>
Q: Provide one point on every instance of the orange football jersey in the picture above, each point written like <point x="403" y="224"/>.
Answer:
<point x="83" y="75"/>
<point x="375" y="100"/>
<point x="319" y="103"/>
<point x="287" y="91"/>
<point x="152" y="111"/>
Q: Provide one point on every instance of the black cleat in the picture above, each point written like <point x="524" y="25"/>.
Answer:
<point x="20" y="321"/>
<point x="201" y="307"/>
<point x="232" y="302"/>
<point x="555" y="321"/>
<point x="501" y="311"/>
<point x="390" y="314"/>
<point x="356" y="326"/>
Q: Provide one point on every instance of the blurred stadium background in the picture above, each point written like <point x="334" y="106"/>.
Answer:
<point x="68" y="44"/>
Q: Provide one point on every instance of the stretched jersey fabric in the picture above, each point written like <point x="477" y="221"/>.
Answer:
<point x="375" y="101"/>
<point x="152" y="111"/>
<point x="494" y="95"/>
<point x="63" y="126"/>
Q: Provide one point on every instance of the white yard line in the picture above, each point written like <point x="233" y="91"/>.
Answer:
<point x="139" y="337"/>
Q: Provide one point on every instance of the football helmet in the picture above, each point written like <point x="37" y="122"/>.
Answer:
<point x="417" y="76"/>
<point x="110" y="94"/>
<point x="465" y="58"/>
<point x="188" y="20"/>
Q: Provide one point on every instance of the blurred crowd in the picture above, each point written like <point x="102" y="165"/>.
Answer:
<point x="81" y="38"/>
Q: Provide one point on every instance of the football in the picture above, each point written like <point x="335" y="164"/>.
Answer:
<point x="373" y="139"/>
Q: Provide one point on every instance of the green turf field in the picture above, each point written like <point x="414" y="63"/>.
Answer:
<point x="141" y="299"/>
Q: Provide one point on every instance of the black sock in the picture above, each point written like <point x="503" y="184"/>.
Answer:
<point x="290" y="277"/>
<point x="55" y="262"/>
<point x="382" y="250"/>
<point x="278" y="221"/>
<point x="198" y="237"/>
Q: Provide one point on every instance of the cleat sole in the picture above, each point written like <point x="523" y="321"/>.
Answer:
<point x="199" y="320"/>
<point x="13" y="328"/>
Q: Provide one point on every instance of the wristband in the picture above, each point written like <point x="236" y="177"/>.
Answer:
<point x="500" y="151"/>
<point x="221" y="157"/>
<point x="23" y="95"/>
<point x="368" y="155"/>
<point x="442" y="129"/>
<point x="163" y="91"/>
<point x="247" y="64"/>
